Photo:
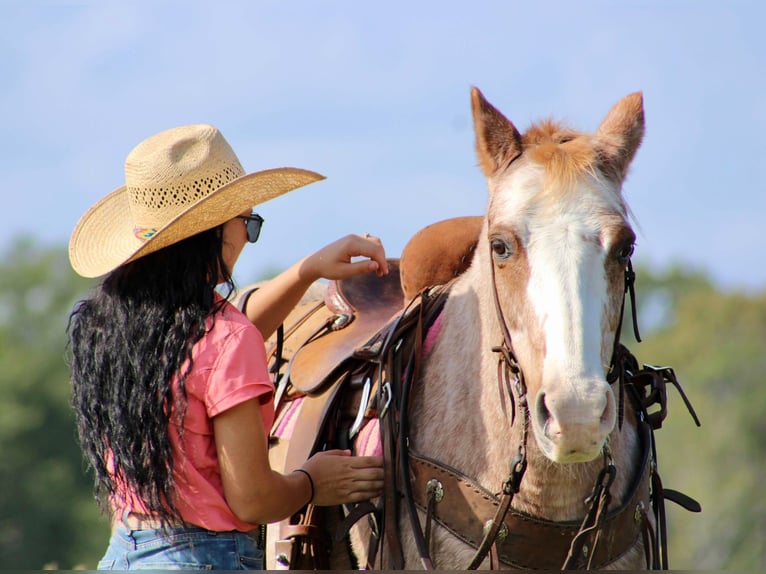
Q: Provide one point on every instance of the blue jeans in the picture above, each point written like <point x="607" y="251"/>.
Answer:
<point x="187" y="548"/>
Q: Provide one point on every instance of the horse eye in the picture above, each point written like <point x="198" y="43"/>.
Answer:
<point x="500" y="249"/>
<point x="625" y="252"/>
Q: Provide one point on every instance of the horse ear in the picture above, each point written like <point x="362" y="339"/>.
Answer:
<point x="498" y="142"/>
<point x="620" y="134"/>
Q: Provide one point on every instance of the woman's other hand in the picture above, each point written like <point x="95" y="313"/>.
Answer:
<point x="340" y="478"/>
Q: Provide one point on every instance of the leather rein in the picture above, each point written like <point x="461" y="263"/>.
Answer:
<point x="495" y="537"/>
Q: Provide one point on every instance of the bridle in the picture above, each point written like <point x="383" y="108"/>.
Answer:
<point x="511" y="381"/>
<point x="398" y="366"/>
<point x="508" y="368"/>
<point x="390" y="362"/>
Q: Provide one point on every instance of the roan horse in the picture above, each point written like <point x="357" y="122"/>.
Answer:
<point x="515" y="427"/>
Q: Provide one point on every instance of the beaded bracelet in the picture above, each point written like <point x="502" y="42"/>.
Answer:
<point x="311" y="482"/>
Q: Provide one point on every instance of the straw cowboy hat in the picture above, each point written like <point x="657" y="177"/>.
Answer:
<point x="177" y="183"/>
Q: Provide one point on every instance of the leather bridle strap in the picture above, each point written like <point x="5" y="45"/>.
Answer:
<point x="616" y="369"/>
<point x="388" y="429"/>
<point x="393" y="407"/>
<point x="593" y="521"/>
<point x="412" y="374"/>
<point x="507" y="363"/>
<point x="507" y="346"/>
<point x="510" y="487"/>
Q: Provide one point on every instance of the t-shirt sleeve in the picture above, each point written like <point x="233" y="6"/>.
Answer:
<point x="240" y="372"/>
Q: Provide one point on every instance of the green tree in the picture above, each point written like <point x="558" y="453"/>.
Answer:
<point x="47" y="512"/>
<point x="715" y="341"/>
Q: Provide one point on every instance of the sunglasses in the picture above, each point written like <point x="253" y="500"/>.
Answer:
<point x="253" y="223"/>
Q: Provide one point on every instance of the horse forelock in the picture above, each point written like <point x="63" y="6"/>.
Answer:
<point x="567" y="157"/>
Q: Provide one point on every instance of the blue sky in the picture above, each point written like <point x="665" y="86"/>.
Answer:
<point x="376" y="97"/>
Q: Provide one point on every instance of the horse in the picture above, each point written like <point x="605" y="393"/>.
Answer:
<point x="489" y="371"/>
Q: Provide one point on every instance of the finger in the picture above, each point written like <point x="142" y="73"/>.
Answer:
<point x="368" y="483"/>
<point x="372" y="247"/>
<point x="358" y="482"/>
<point x="361" y="495"/>
<point x="369" y="237"/>
<point x="372" y="475"/>
<point x="337" y="452"/>
<point x="360" y="267"/>
<point x="367" y="462"/>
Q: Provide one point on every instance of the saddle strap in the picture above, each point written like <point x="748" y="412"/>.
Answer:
<point x="399" y="350"/>
<point x="309" y="544"/>
<point x="358" y="512"/>
<point x="394" y="554"/>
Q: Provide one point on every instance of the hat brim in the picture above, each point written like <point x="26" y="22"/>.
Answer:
<point x="104" y="237"/>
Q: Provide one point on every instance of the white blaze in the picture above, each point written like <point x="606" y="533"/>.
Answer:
<point x="573" y="409"/>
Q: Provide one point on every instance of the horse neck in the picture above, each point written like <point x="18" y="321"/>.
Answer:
<point x="461" y="418"/>
<point x="464" y="414"/>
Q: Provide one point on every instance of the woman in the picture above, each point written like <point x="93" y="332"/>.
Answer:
<point x="172" y="397"/>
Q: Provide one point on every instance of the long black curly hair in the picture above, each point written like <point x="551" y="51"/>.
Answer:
<point x="128" y="341"/>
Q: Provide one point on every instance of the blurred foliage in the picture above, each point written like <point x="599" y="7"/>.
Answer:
<point x="47" y="512"/>
<point x="714" y="340"/>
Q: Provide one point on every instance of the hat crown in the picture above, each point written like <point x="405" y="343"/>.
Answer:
<point x="178" y="183"/>
<point x="174" y="169"/>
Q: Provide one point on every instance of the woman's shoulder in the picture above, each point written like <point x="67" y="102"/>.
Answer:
<point x="228" y="333"/>
<point x="229" y="320"/>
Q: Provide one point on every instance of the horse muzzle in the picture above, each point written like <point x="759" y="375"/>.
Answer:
<point x="571" y="425"/>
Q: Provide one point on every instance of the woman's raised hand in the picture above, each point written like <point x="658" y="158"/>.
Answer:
<point x="335" y="261"/>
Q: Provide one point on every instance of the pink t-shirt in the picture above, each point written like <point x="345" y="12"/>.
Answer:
<point x="229" y="369"/>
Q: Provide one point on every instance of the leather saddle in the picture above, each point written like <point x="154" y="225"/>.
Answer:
<point x="321" y="336"/>
<point x="324" y="339"/>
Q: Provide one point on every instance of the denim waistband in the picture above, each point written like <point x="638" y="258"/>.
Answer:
<point x="185" y="547"/>
<point x="133" y="522"/>
<point x="136" y="538"/>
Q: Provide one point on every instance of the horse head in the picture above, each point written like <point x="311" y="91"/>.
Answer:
<point x="558" y="239"/>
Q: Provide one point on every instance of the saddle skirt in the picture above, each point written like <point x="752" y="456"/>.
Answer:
<point x="321" y="336"/>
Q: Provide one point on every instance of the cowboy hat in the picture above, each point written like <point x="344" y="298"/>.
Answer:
<point x="177" y="183"/>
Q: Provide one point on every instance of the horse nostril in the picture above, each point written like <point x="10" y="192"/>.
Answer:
<point x="543" y="413"/>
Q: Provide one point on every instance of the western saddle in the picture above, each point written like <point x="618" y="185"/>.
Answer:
<point x="325" y="350"/>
